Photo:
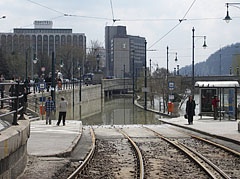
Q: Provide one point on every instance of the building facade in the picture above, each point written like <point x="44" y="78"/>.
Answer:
<point x="122" y="50"/>
<point x="42" y="39"/>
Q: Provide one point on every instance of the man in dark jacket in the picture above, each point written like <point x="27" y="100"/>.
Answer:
<point x="190" y="109"/>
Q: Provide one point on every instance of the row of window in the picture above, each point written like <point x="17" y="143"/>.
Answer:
<point x="35" y="31"/>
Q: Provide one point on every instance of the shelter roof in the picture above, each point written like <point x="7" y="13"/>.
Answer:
<point x="217" y="84"/>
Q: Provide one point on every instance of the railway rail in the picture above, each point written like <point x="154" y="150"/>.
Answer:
<point x="212" y="168"/>
<point x="147" y="157"/>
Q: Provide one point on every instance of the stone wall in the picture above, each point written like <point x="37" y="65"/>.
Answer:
<point x="13" y="149"/>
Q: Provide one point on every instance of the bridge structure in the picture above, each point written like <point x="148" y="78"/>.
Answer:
<point x="116" y="86"/>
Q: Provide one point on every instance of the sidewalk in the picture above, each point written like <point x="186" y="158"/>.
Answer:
<point x="225" y="129"/>
<point x="52" y="140"/>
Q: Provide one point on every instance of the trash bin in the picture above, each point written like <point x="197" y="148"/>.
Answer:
<point x="170" y="107"/>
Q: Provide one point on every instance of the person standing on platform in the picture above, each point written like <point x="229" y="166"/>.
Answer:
<point x="190" y="109"/>
<point x="62" y="111"/>
<point x="215" y="101"/>
<point x="50" y="109"/>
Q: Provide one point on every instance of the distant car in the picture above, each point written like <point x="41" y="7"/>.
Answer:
<point x="65" y="80"/>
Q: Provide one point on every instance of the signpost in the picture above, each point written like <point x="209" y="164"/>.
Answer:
<point x="42" y="87"/>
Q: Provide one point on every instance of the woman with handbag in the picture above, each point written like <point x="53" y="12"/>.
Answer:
<point x="190" y="109"/>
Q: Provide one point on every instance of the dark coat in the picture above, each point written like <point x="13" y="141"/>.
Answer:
<point x="190" y="108"/>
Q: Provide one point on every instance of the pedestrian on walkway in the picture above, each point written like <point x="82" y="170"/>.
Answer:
<point x="190" y="109"/>
<point x="215" y="101"/>
<point x="62" y="111"/>
<point x="50" y="110"/>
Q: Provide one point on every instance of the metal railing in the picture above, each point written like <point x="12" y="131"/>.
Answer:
<point x="13" y="100"/>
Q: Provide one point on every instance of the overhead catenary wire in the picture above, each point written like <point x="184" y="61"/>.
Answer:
<point x="180" y="21"/>
<point x="66" y="14"/>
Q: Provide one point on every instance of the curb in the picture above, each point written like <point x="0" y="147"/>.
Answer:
<point x="202" y="132"/>
<point x="151" y="110"/>
<point x="65" y="153"/>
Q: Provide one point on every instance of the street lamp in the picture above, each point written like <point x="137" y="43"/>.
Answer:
<point x="61" y="64"/>
<point x="176" y="59"/>
<point x="228" y="18"/>
<point x="204" y="46"/>
<point x="35" y="59"/>
<point x="3" y="17"/>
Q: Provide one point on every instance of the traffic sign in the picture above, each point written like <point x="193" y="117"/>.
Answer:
<point x="171" y="85"/>
<point x="147" y="90"/>
<point x="171" y="97"/>
<point x="42" y="86"/>
<point x="43" y="99"/>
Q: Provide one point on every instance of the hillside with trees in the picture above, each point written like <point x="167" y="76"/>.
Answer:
<point x="219" y="63"/>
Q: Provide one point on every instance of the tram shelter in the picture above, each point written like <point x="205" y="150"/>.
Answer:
<point x="226" y="91"/>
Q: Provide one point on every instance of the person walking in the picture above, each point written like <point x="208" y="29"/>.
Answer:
<point x="215" y="101"/>
<point x="190" y="109"/>
<point x="62" y="111"/>
<point x="50" y="109"/>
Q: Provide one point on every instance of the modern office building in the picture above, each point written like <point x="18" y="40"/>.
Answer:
<point x="43" y="39"/>
<point x="122" y="50"/>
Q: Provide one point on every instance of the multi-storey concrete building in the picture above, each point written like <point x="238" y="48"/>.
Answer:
<point x="122" y="50"/>
<point x="42" y="39"/>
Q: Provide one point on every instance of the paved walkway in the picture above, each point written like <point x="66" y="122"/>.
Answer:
<point x="52" y="140"/>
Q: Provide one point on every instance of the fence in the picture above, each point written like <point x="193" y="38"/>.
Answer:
<point x="13" y="99"/>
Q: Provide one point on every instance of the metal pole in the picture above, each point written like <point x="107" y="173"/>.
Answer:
<point x="124" y="78"/>
<point x="167" y="64"/>
<point x="53" y="81"/>
<point x="220" y="56"/>
<point x="26" y="68"/>
<point x="42" y="106"/>
<point x="133" y="81"/>
<point x="80" y="88"/>
<point x="73" y="86"/>
<point x="145" y="79"/>
<point x="150" y="67"/>
<point x="193" y="61"/>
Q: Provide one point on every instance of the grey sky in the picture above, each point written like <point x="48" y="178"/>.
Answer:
<point x="22" y="13"/>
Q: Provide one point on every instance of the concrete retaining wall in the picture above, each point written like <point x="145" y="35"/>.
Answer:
<point x="90" y="104"/>
<point x="13" y="150"/>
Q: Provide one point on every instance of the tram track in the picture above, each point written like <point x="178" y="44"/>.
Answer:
<point x="225" y="158"/>
<point x="107" y="160"/>
<point x="145" y="153"/>
<point x="213" y="169"/>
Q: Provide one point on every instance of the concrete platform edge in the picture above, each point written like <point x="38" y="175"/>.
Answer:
<point x="203" y="132"/>
<point x="68" y="151"/>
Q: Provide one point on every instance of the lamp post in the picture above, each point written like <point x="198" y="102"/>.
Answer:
<point x="98" y="60"/>
<point x="168" y="60"/>
<point x="145" y="77"/>
<point x="193" y="46"/>
<point x="53" y="81"/>
<point x="80" y="82"/>
<point x="133" y="81"/>
<point x="227" y="17"/>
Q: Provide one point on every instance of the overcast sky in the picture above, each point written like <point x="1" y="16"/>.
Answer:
<point x="133" y="14"/>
